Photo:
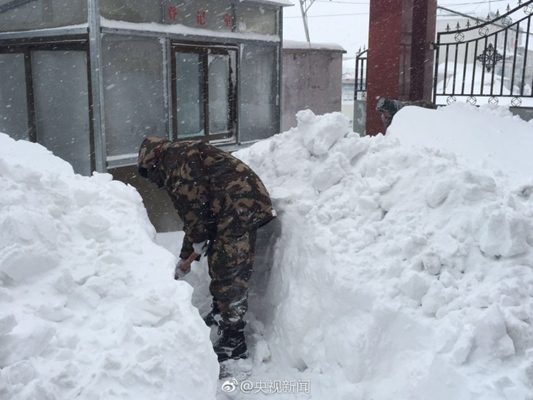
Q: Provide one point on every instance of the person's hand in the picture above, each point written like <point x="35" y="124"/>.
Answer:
<point x="182" y="268"/>
<point x="200" y="248"/>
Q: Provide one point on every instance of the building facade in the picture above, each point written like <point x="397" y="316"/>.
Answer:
<point x="89" y="79"/>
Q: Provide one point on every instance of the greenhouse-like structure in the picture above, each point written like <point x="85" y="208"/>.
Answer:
<point x="89" y="79"/>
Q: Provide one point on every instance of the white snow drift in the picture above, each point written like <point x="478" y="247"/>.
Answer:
<point x="403" y="271"/>
<point x="87" y="307"/>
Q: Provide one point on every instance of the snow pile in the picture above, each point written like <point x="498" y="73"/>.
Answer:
<point x="404" y="270"/>
<point x="89" y="308"/>
<point x="401" y="272"/>
<point x="488" y="137"/>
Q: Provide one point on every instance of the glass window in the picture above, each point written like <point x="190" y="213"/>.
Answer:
<point x="131" y="10"/>
<point x="13" y="101"/>
<point x="257" y="20"/>
<point x="204" y="87"/>
<point x="61" y="97"/>
<point x="219" y="92"/>
<point x="134" y="91"/>
<point x="190" y="96"/>
<point x="259" y="97"/>
<point x="16" y="15"/>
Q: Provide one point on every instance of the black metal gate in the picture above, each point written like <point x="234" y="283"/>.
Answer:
<point x="361" y="62"/>
<point x="487" y="61"/>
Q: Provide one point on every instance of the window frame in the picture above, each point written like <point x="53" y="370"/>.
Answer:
<point x="60" y="43"/>
<point x="204" y="50"/>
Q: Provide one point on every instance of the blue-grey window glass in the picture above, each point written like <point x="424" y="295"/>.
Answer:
<point x="132" y="10"/>
<point x="219" y="81"/>
<point x="13" y="102"/>
<point x="16" y="15"/>
<point x="61" y="98"/>
<point x="259" y="93"/>
<point x="134" y="92"/>
<point x="190" y="96"/>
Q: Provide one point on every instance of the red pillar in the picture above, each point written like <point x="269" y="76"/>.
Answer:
<point x="400" y="58"/>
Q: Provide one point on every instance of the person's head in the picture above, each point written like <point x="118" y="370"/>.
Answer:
<point x="149" y="156"/>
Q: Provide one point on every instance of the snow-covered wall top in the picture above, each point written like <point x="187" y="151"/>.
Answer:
<point x="297" y="45"/>
<point x="183" y="30"/>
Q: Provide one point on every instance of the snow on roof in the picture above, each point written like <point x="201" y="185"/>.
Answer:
<point x="182" y="30"/>
<point x="297" y="45"/>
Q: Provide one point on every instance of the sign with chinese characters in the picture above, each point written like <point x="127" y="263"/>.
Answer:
<point x="223" y="15"/>
<point x="217" y="15"/>
<point x="173" y="13"/>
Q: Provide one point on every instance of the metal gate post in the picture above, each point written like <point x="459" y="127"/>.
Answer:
<point x="96" y="85"/>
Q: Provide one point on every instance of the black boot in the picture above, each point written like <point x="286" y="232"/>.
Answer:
<point x="210" y="319"/>
<point x="232" y="344"/>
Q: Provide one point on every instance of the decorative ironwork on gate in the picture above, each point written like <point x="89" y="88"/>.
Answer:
<point x="361" y="62"/>
<point x="488" y="61"/>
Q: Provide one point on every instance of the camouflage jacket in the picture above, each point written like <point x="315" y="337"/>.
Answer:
<point x="211" y="190"/>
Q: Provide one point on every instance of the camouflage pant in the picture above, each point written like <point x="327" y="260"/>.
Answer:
<point x="230" y="262"/>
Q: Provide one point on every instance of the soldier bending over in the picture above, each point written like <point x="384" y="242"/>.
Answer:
<point x="222" y="203"/>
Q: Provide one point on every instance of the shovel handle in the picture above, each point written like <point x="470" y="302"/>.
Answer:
<point x="189" y="261"/>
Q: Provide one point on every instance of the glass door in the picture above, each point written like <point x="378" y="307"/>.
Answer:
<point x="204" y="92"/>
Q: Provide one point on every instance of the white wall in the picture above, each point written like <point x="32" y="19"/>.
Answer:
<point x="311" y="79"/>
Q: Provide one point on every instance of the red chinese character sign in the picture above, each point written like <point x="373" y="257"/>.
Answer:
<point x="221" y="18"/>
<point x="228" y="19"/>
<point x="201" y="17"/>
<point x="173" y="13"/>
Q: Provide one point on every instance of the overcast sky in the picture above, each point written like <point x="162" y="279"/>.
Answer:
<point x="345" y="22"/>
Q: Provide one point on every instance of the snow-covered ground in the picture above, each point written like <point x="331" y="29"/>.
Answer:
<point x="402" y="269"/>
